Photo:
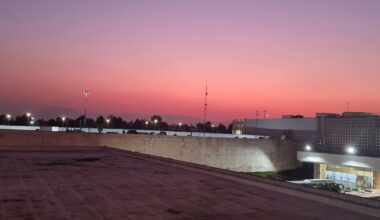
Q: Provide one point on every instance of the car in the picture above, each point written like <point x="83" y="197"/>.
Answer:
<point x="132" y="132"/>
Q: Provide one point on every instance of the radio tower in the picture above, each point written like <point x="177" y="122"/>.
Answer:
<point x="205" y="110"/>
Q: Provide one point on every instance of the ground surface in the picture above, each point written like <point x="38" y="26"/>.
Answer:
<point x="105" y="184"/>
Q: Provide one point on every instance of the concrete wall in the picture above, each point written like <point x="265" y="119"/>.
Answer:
<point x="243" y="155"/>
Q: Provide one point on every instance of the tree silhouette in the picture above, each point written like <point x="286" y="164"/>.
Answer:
<point x="3" y="119"/>
<point x="221" y="128"/>
<point x="116" y="122"/>
<point x="119" y="123"/>
<point x="200" y="127"/>
<point x="80" y="121"/>
<point x="100" y="122"/>
<point x="229" y="129"/>
<point x="156" y="117"/>
<point x="22" y="120"/>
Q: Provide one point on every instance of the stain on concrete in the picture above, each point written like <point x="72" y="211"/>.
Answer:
<point x="173" y="211"/>
<point x="87" y="159"/>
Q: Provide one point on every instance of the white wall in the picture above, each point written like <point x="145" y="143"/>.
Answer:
<point x="305" y="124"/>
<point x="22" y="128"/>
<point x="120" y="131"/>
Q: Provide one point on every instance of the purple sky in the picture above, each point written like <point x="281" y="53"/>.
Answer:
<point x="155" y="56"/>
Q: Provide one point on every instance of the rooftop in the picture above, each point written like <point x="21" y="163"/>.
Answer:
<point x="107" y="184"/>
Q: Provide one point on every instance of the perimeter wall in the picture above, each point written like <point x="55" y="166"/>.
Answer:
<point x="242" y="155"/>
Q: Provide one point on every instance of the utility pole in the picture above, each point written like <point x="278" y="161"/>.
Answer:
<point x="191" y="129"/>
<point x="257" y="117"/>
<point x="205" y="110"/>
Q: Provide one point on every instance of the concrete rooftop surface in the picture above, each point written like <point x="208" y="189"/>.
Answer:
<point x="106" y="184"/>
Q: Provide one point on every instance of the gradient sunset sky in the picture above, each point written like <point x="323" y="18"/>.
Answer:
<point x="154" y="57"/>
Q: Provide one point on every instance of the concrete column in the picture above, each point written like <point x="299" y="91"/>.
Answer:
<point x="376" y="179"/>
<point x="317" y="171"/>
<point x="322" y="171"/>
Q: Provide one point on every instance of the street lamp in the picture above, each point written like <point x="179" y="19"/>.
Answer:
<point x="86" y="93"/>
<point x="146" y="125"/>
<point x="108" y="122"/>
<point x="179" y="125"/>
<point x="28" y="116"/>
<point x="266" y="114"/>
<point x="212" y="128"/>
<point x="351" y="150"/>
<point x="31" y="122"/>
<point x="63" y="121"/>
<point x="155" y="123"/>
<point x="8" y="118"/>
<point x="308" y="148"/>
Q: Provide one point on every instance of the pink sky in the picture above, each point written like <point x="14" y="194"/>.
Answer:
<point x="286" y="57"/>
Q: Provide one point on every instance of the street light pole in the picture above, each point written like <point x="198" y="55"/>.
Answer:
<point x="28" y="116"/>
<point x="86" y="93"/>
<point x="257" y="115"/>
<point x="108" y="122"/>
<point x="265" y="114"/>
<point x="155" y="123"/>
<point x="63" y="121"/>
<point x="8" y="118"/>
<point x="205" y="111"/>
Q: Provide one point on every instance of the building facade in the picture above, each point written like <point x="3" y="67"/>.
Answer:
<point x="358" y="130"/>
<point x="294" y="127"/>
<point x="343" y="147"/>
<point x="346" y="150"/>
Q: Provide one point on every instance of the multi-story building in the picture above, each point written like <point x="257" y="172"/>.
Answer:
<point x="351" y="130"/>
<point x="294" y="127"/>
<point x="344" y="148"/>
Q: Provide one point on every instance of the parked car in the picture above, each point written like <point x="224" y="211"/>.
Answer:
<point x="132" y="132"/>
